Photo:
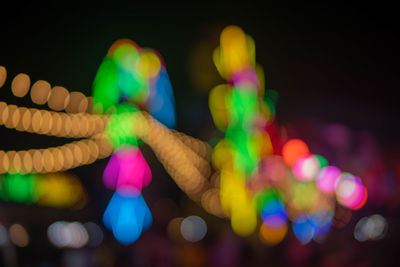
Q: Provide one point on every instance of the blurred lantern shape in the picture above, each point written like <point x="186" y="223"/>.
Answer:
<point x="303" y="229"/>
<point x="127" y="215"/>
<point x="193" y="228"/>
<point x="293" y="150"/>
<point x="327" y="178"/>
<point x="350" y="192"/>
<point x="306" y="168"/>
<point x="127" y="168"/>
<point x="272" y="236"/>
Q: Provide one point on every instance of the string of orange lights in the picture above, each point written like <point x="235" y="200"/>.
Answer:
<point x="185" y="158"/>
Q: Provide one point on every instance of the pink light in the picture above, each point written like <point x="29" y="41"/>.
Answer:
<point x="350" y="192"/>
<point x="134" y="171"/>
<point x="110" y="174"/>
<point x="127" y="170"/>
<point x="327" y="179"/>
<point x="306" y="168"/>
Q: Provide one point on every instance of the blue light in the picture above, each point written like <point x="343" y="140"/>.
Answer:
<point x="127" y="216"/>
<point x="303" y="229"/>
<point x="161" y="104"/>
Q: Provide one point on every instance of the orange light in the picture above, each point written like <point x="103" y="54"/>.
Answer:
<point x="293" y="150"/>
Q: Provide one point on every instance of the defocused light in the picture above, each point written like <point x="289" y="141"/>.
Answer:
<point x="303" y="229"/>
<point x="306" y="168"/>
<point x="293" y="150"/>
<point x="18" y="235"/>
<point x="370" y="228"/>
<point x="59" y="98"/>
<point x="193" y="228"/>
<point x="127" y="168"/>
<point x="350" y="192"/>
<point x="20" y="85"/>
<point x="273" y="212"/>
<point x="40" y="92"/>
<point x="327" y="179"/>
<point x="272" y="236"/>
<point x="3" y="76"/>
<point x="95" y="234"/>
<point x="3" y="234"/>
<point x="127" y="216"/>
<point x="174" y="229"/>
<point x="77" y="103"/>
<point x="67" y="234"/>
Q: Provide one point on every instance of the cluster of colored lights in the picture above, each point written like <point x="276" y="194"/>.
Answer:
<point x="259" y="175"/>
<point x="130" y="78"/>
<point x="54" y="190"/>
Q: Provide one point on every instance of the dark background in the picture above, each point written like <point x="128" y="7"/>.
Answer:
<point x="328" y="62"/>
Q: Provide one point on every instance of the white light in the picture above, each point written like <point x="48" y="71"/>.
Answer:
<point x="63" y="234"/>
<point x="370" y="228"/>
<point x="193" y="228"/>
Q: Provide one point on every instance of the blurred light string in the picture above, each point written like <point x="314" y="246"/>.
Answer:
<point x="97" y="145"/>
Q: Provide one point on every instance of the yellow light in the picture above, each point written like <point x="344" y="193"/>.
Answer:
<point x="40" y="92"/>
<point x="234" y="49"/>
<point x="77" y="103"/>
<point x="20" y="85"/>
<point x="3" y="76"/>
<point x="218" y="107"/>
<point x="59" y="98"/>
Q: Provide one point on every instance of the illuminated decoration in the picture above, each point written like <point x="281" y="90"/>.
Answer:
<point x="261" y="174"/>
<point x="263" y="181"/>
<point x="127" y="215"/>
<point x="128" y="78"/>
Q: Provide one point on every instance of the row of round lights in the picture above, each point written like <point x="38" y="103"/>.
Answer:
<point x="61" y="234"/>
<point x="51" y="123"/>
<point x="189" y="170"/>
<point x="17" y="234"/>
<point x="58" y="98"/>
<point x="53" y="159"/>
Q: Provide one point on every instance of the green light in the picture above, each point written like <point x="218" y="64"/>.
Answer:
<point x="120" y="126"/>
<point x="19" y="188"/>
<point x="322" y="161"/>
<point x="105" y="86"/>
